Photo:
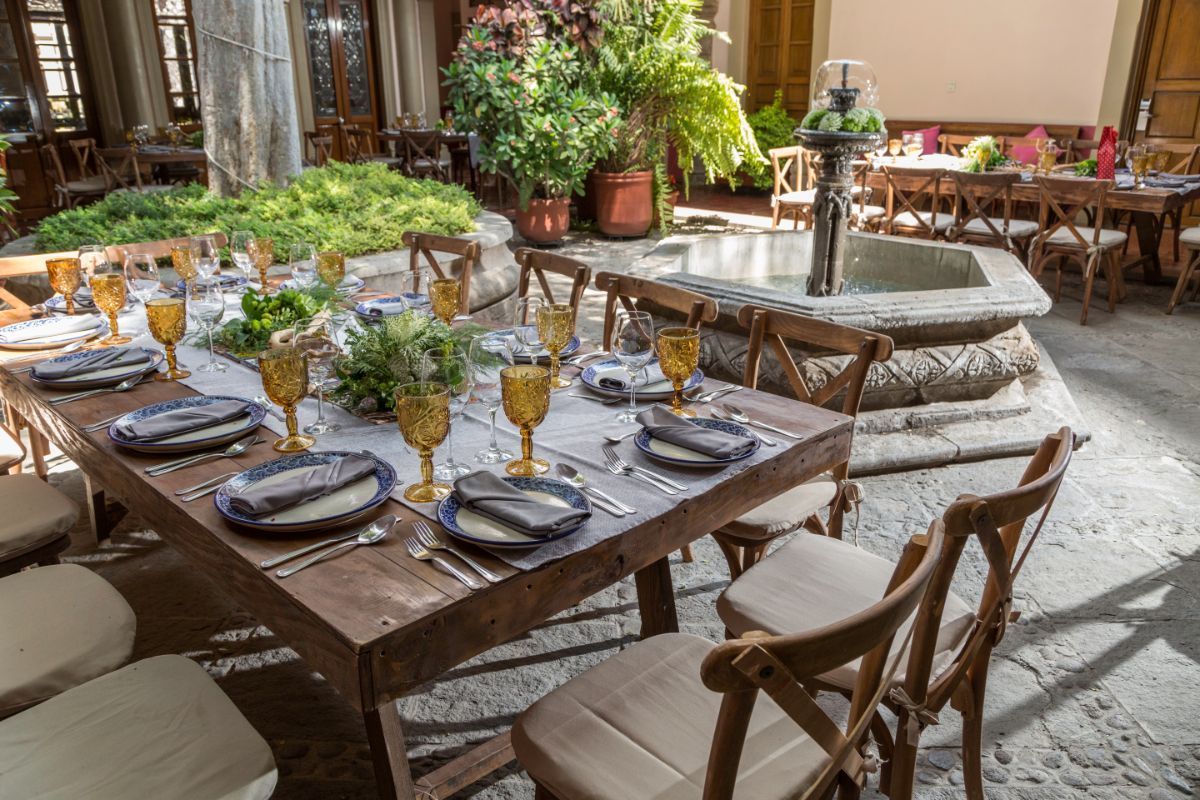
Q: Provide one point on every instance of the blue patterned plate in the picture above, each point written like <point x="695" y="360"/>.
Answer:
<point x="391" y="306"/>
<point x="349" y="285"/>
<point x="202" y="439"/>
<point x="610" y="367"/>
<point x="674" y="454"/>
<point x="325" y="512"/>
<point x="100" y="377"/>
<point x="229" y="282"/>
<point x="463" y="524"/>
<point x="506" y="335"/>
<point x="49" y="338"/>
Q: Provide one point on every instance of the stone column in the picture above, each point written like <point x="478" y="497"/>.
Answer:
<point x="247" y="95"/>
<point x="408" y="53"/>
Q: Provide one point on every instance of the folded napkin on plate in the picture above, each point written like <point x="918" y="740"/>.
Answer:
<point x="650" y="377"/>
<point x="57" y="326"/>
<point x="660" y="423"/>
<point x="387" y="307"/>
<point x="489" y="496"/>
<point x="92" y="362"/>
<point x="304" y="485"/>
<point x="173" y="423"/>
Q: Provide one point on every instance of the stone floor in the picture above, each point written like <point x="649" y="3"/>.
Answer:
<point x="1095" y="693"/>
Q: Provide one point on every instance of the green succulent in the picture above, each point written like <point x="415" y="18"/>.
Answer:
<point x="831" y="122"/>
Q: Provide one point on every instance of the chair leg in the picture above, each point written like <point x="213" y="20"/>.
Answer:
<point x="686" y="553"/>
<point x="903" y="765"/>
<point x="733" y="556"/>
<point x="1112" y="262"/>
<point x="1176" y="229"/>
<point x="775" y="216"/>
<point x="1093" y="263"/>
<point x="1058" y="278"/>
<point x="972" y="745"/>
<point x="39" y="448"/>
<point x="1181" y="285"/>
<point x="887" y="750"/>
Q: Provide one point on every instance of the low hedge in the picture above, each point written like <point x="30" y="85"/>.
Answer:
<point x="349" y="208"/>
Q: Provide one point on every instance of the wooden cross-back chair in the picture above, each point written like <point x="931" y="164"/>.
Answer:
<point x="466" y="251"/>
<point x="1188" y="163"/>
<point x="159" y="249"/>
<point x="321" y="143"/>
<point x="85" y="156"/>
<point x="423" y="156"/>
<point x="70" y="193"/>
<point x="745" y="540"/>
<point x="1060" y="240"/>
<point x="789" y="198"/>
<point x="646" y="722"/>
<point x="908" y="188"/>
<point x="538" y="263"/>
<point x="360" y="149"/>
<point x="1007" y="143"/>
<point x="952" y="640"/>
<point x="976" y="197"/>
<point x="953" y="144"/>
<point x="865" y="217"/>
<point x="627" y="292"/>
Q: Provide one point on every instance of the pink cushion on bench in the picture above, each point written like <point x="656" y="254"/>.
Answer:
<point x="1028" y="155"/>
<point x="931" y="138"/>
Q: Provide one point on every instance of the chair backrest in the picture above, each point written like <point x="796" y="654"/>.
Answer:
<point x="953" y="143"/>
<point x="159" y="249"/>
<point x="1189" y="158"/>
<point x="1062" y="200"/>
<point x="976" y="195"/>
<point x="426" y="244"/>
<point x="907" y="188"/>
<point x="537" y="263"/>
<point x="862" y="173"/>
<point x="785" y="164"/>
<point x="781" y="665"/>
<point x="421" y="150"/>
<point x="1007" y="143"/>
<point x="358" y="144"/>
<point x="998" y="521"/>
<point x="322" y="145"/>
<point x="52" y="165"/>
<point x="85" y="156"/>
<point x="627" y="292"/>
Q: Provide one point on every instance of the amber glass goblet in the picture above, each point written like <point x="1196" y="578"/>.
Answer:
<point x="183" y="260"/>
<point x="167" y="319"/>
<point x="66" y="276"/>
<point x="443" y="297"/>
<point x="678" y="355"/>
<point x="108" y="293"/>
<point x="423" y="414"/>
<point x="262" y="253"/>
<point x="331" y="269"/>
<point x="284" y="373"/>
<point x="556" y="326"/>
<point x="525" y="392"/>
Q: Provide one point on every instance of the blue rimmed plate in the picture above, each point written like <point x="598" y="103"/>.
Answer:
<point x="334" y="509"/>
<point x="349" y="285"/>
<point x="43" y="332"/>
<point x="228" y="282"/>
<point x="674" y="454"/>
<point x="470" y="527"/>
<point x="389" y="306"/>
<point x="202" y="439"/>
<point x="506" y="335"/>
<point x="101" y="377"/>
<point x="611" y="368"/>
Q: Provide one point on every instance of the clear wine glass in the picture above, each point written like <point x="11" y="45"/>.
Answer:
<point x="416" y="293"/>
<point x="318" y="338"/>
<point x="92" y="259"/>
<point x="239" y="253"/>
<point x="487" y="360"/>
<point x="633" y="346"/>
<point x="205" y="308"/>
<point x="303" y="261"/>
<point x="525" y="328"/>
<point x="141" y="276"/>
<point x="452" y="368"/>
<point x="208" y="257"/>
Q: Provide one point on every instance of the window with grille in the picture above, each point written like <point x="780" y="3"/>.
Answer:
<point x="57" y="58"/>
<point x="177" y="48"/>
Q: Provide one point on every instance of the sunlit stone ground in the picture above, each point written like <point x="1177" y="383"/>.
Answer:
<point x="1095" y="694"/>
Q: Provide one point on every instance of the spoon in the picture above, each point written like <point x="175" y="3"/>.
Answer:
<point x="384" y="523"/>
<point x="769" y="442"/>
<point x="740" y="416"/>
<point x="622" y="437"/>
<point x="572" y="476"/>
<point x="123" y="386"/>
<point x="266" y="403"/>
<point x="371" y="535"/>
<point x="235" y="449"/>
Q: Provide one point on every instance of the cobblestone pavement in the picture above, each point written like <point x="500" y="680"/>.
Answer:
<point x="1095" y="693"/>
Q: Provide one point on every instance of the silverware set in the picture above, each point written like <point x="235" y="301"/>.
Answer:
<point x="601" y="500"/>
<point x="429" y="539"/>
<point x="709" y="396"/>
<point x="423" y="553"/>
<point x="235" y="449"/>
<point x="737" y="415"/>
<point x="104" y="423"/>
<point x="618" y="466"/>
<point x="719" y="414"/>
<point x="203" y="488"/>
<point x="368" y="535"/>
<point x="123" y="386"/>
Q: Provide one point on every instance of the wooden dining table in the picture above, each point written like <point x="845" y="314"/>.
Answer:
<point x="377" y="623"/>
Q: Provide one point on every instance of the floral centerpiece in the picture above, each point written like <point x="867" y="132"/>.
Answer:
<point x="983" y="154"/>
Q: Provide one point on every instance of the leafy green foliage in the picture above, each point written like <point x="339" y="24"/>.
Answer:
<point x="384" y="356"/>
<point x="982" y="154"/>
<point x="348" y="208"/>
<point x="1086" y="168"/>
<point x="856" y="120"/>
<point x="773" y="127"/>
<point x="264" y="316"/>
<point x="8" y="197"/>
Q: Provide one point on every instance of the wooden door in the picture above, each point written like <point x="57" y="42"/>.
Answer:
<point x="1170" y="83"/>
<point x="781" y="34"/>
<point x="341" y="63"/>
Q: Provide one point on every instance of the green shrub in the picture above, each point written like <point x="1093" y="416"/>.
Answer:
<point x="773" y="127"/>
<point x="349" y="208"/>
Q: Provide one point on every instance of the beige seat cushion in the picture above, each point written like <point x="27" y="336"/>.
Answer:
<point x="11" y="451"/>
<point x="640" y="726"/>
<point x="35" y="513"/>
<point x="1017" y="228"/>
<point x="1108" y="238"/>
<point x="807" y="196"/>
<point x="1190" y="237"/>
<point x="869" y="212"/>
<point x="816" y="580"/>
<point x="785" y="512"/>
<point x="906" y="219"/>
<point x="63" y="625"/>
<point x="96" y="183"/>
<point x="160" y="728"/>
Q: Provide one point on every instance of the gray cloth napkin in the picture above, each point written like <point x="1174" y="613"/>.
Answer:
<point x="172" y="423"/>
<point x="662" y="424"/>
<point x="92" y="362"/>
<point x="388" y="307"/>
<point x="489" y="496"/>
<point x="258" y="501"/>
<point x="651" y="376"/>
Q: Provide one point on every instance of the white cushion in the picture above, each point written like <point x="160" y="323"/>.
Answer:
<point x="808" y="196"/>
<point x="905" y="219"/>
<point x="1108" y="237"/>
<point x="785" y="512"/>
<point x="816" y="580"/>
<point x="63" y="625"/>
<point x="1017" y="228"/>
<point x="35" y="514"/>
<point x="160" y="728"/>
<point x="1190" y="237"/>
<point x="11" y="451"/>
<point x="869" y="212"/>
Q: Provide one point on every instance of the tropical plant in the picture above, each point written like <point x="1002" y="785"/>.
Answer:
<point x="511" y="27"/>
<point x="773" y="127"/>
<point x="8" y="198"/>
<point x="349" y="208"/>
<point x="538" y="126"/>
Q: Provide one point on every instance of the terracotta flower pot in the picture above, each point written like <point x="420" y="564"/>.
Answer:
<point x="624" y="203"/>
<point x="545" y="221"/>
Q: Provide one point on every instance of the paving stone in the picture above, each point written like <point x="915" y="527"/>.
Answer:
<point x="1003" y="756"/>
<point x="1031" y="775"/>
<point x="1073" y="777"/>
<point x="956" y="777"/>
<point x="942" y="759"/>
<point x="1160" y="793"/>
<point x="1175" y="781"/>
<point x="1054" y="760"/>
<point x="994" y="774"/>
<point x="1140" y="778"/>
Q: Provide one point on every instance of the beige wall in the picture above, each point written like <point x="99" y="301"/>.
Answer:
<point x="1037" y="61"/>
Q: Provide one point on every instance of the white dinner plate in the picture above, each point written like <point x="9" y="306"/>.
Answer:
<point x="50" y="340"/>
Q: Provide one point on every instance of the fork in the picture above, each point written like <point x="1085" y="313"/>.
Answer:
<point x="421" y="553"/>
<point x="615" y="470"/>
<point x="611" y="453"/>
<point x="426" y="536"/>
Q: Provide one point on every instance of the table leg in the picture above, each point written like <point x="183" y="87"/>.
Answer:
<point x="1149" y="234"/>
<point x="656" y="599"/>
<point x="101" y="518"/>
<point x="385" y="733"/>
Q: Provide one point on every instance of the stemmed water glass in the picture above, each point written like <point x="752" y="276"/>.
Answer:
<point x="444" y="297"/>
<point x="92" y="258"/>
<point x="205" y="308"/>
<point x="207" y="255"/>
<point x="416" y="295"/>
<point x="678" y="356"/>
<point x="284" y="373"/>
<point x="331" y="269"/>
<point x="141" y="276"/>
<point x="303" y="261"/>
<point x="487" y="361"/>
<point x="108" y="293"/>
<point x="239" y="253"/>
<point x="914" y="144"/>
<point x="423" y="414"/>
<point x="452" y="368"/>
<point x="525" y="327"/>
<point x="66" y="277"/>
<point x="183" y="260"/>
<point x="262" y="252"/>
<point x="167" y="319"/>
<point x="318" y="338"/>
<point x="633" y="346"/>
<point x="556" y="326"/>
<point x="525" y="392"/>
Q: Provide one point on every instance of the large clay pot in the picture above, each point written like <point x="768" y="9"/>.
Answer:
<point x="545" y="221"/>
<point x="624" y="203"/>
